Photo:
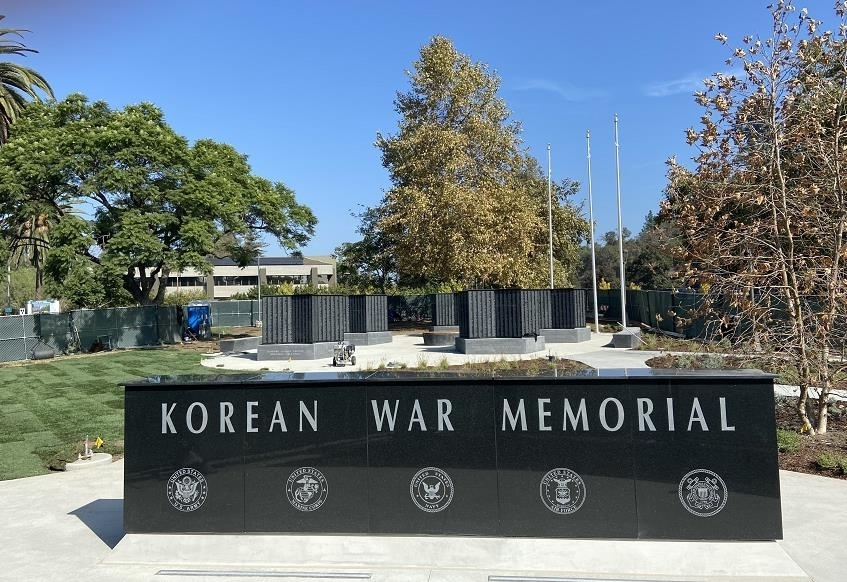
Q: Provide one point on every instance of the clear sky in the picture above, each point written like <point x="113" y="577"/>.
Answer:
<point x="303" y="87"/>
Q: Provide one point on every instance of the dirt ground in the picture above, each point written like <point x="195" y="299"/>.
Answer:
<point x="805" y="458"/>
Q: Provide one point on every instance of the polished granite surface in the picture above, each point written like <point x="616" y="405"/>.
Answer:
<point x="653" y="454"/>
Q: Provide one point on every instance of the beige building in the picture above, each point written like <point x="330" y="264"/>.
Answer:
<point x="228" y="278"/>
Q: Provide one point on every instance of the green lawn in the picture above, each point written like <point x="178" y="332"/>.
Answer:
<point x="47" y="408"/>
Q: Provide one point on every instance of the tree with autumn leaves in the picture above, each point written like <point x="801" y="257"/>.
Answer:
<point x="468" y="205"/>
<point x="762" y="218"/>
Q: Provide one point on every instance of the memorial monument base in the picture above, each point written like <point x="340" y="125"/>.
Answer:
<point x="500" y="345"/>
<point x="628" y="338"/>
<point x="440" y="338"/>
<point x="368" y="338"/>
<point x="566" y="336"/>
<point x="239" y="344"/>
<point x="314" y="351"/>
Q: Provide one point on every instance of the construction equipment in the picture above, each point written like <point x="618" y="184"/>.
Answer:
<point x="343" y="353"/>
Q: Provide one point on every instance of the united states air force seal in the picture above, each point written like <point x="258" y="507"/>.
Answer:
<point x="431" y="489"/>
<point x="187" y="489"/>
<point x="306" y="489"/>
<point x="562" y="491"/>
<point x="702" y="492"/>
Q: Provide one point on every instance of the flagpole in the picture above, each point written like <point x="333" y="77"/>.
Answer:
<point x="550" y="212"/>
<point x="620" y="225"/>
<point x="591" y="224"/>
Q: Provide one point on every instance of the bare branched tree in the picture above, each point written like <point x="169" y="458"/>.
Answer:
<point x="762" y="217"/>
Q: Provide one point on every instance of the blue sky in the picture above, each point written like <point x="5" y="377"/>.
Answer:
<point x="303" y="87"/>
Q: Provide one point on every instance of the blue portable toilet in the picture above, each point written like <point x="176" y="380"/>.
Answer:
<point x="198" y="320"/>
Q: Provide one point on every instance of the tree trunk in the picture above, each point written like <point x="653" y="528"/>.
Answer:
<point x="805" y="423"/>
<point x="823" y="410"/>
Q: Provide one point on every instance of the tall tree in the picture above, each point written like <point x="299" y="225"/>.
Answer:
<point x="18" y="84"/>
<point x="467" y="204"/>
<point x="155" y="203"/>
<point x="762" y="218"/>
<point x="367" y="264"/>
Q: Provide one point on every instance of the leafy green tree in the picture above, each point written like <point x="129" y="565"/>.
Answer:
<point x="367" y="264"/>
<point x="467" y="204"/>
<point x="18" y="84"/>
<point x="154" y="203"/>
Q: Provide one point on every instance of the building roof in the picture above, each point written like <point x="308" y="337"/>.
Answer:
<point x="268" y="261"/>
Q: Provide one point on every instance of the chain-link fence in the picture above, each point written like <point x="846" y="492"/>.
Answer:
<point x="88" y="330"/>
<point x="241" y="313"/>
<point x="18" y="337"/>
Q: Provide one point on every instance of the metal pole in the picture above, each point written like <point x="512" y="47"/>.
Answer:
<point x="259" y="285"/>
<point x="8" y="284"/>
<point x="620" y="226"/>
<point x="550" y="212"/>
<point x="591" y="224"/>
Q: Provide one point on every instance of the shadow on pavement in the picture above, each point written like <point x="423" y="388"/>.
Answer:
<point x="104" y="517"/>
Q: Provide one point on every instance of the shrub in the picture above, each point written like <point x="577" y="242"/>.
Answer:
<point x="833" y="462"/>
<point x="787" y="441"/>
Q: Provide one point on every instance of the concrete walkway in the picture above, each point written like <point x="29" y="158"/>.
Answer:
<point x="68" y="526"/>
<point x="409" y="350"/>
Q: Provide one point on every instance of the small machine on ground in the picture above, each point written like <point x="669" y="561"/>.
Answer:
<point x="343" y="353"/>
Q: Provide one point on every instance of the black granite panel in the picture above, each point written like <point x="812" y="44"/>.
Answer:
<point x="715" y="474"/>
<point x="306" y="461"/>
<point x="561" y="474"/>
<point x="476" y="313"/>
<point x="177" y="480"/>
<point x="443" y="309"/>
<point x="441" y="480"/>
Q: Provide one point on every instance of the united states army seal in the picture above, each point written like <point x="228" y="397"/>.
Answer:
<point x="306" y="489"/>
<point x="187" y="489"/>
<point x="431" y="489"/>
<point x="562" y="491"/>
<point x="702" y="492"/>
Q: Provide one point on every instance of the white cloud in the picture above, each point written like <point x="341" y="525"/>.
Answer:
<point x="566" y="92"/>
<point x="687" y="84"/>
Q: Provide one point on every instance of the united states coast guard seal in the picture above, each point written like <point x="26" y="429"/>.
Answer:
<point x="187" y="489"/>
<point x="562" y="491"/>
<point x="702" y="492"/>
<point x="306" y="489"/>
<point x="431" y="489"/>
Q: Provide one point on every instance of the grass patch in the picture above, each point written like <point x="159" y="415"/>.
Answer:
<point x="787" y="441"/>
<point x="48" y="408"/>
<point x="833" y="462"/>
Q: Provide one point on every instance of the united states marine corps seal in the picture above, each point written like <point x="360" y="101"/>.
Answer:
<point x="702" y="492"/>
<point x="431" y="489"/>
<point x="187" y="489"/>
<point x="562" y="491"/>
<point x="306" y="489"/>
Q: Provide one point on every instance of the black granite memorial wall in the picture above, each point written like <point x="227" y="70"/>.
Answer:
<point x="443" y="309"/>
<point x="635" y="454"/>
<point x="368" y="313"/>
<point x="514" y="313"/>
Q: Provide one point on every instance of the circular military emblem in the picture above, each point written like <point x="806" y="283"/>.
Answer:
<point x="187" y="489"/>
<point x="431" y="489"/>
<point x="306" y="489"/>
<point x="702" y="492"/>
<point x="562" y="491"/>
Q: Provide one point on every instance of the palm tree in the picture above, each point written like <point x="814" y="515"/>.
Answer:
<point x="30" y="244"/>
<point x="16" y="82"/>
